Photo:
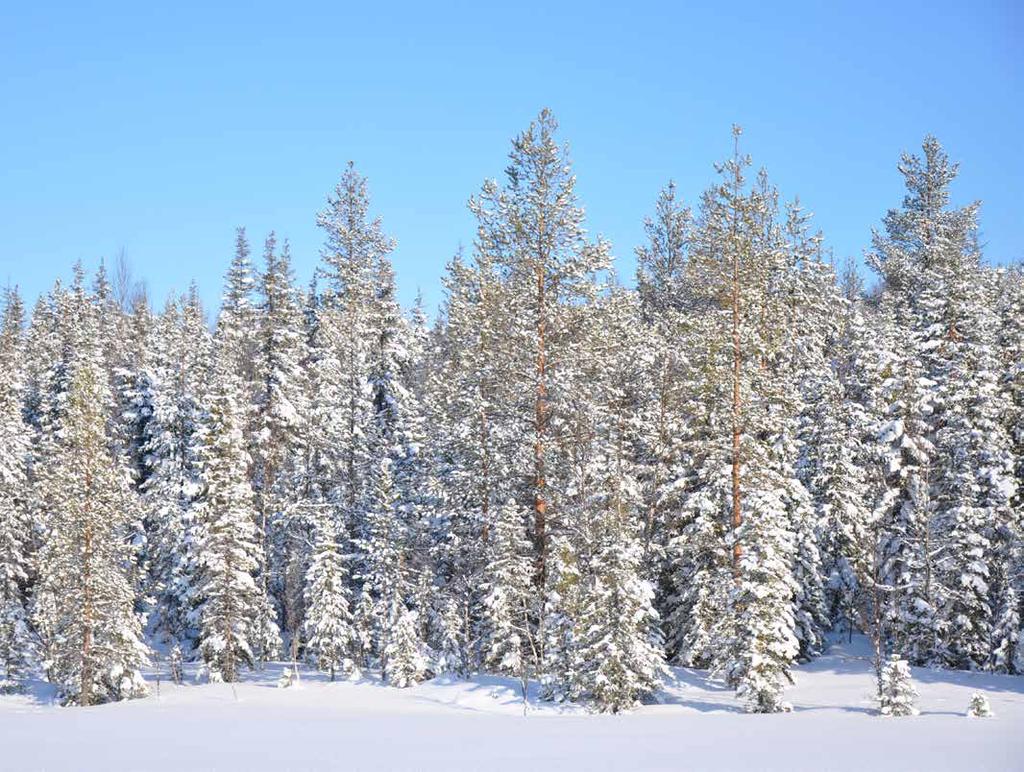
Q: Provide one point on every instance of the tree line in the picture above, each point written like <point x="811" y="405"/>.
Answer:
<point x="559" y="478"/>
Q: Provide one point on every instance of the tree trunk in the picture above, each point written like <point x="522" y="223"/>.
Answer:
<point x="737" y="516"/>
<point x="540" y="420"/>
<point x="85" y="691"/>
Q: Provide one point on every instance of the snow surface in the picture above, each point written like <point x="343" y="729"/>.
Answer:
<point x="478" y="724"/>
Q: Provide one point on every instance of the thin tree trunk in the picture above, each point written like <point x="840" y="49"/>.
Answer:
<point x="540" y="420"/>
<point x="737" y="515"/>
<point x="85" y="692"/>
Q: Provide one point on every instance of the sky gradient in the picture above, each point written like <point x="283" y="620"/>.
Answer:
<point x="157" y="131"/>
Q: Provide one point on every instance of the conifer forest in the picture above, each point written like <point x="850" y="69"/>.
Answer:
<point x="565" y="476"/>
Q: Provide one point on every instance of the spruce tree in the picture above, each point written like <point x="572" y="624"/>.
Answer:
<point x="232" y="607"/>
<point x="171" y="481"/>
<point x="507" y="590"/>
<point x="561" y="662"/>
<point x="329" y="635"/>
<point x="280" y="433"/>
<point x="620" y="659"/>
<point x="898" y="697"/>
<point x="403" y="664"/>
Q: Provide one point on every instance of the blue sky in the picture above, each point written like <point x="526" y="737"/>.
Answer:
<point x="158" y="130"/>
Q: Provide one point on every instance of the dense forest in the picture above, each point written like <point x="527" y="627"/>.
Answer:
<point x="560" y="478"/>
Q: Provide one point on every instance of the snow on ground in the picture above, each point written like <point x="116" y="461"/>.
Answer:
<point x="478" y="724"/>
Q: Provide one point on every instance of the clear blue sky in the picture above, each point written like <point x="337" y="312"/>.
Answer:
<point x="158" y="130"/>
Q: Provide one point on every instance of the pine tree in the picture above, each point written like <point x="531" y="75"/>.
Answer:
<point x="447" y="637"/>
<point x="662" y="449"/>
<point x="85" y="602"/>
<point x="740" y="266"/>
<point x="1010" y="348"/>
<point x="619" y="655"/>
<point x="1008" y="630"/>
<point x="837" y="461"/>
<point x="530" y="232"/>
<point x="469" y="442"/>
<point x="906" y="505"/>
<point x="763" y="643"/>
<point x="15" y="522"/>
<point x="661" y="262"/>
<point x="1008" y="538"/>
<point x="953" y="490"/>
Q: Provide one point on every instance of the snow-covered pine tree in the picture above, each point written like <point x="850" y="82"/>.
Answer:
<point x="15" y="523"/>
<point x="281" y="410"/>
<point x="663" y="453"/>
<point x="396" y="433"/>
<point x="507" y="590"/>
<point x="814" y="316"/>
<point x="134" y="381"/>
<point x="530" y="232"/>
<point x="700" y="577"/>
<point x="763" y="642"/>
<point x="739" y="264"/>
<point x="661" y="261"/>
<point x="354" y="248"/>
<point x="237" y="320"/>
<point x="448" y="631"/>
<point x="402" y="660"/>
<point x="175" y="662"/>
<point x="237" y="344"/>
<point x="111" y="321"/>
<point x="85" y="603"/>
<point x="1008" y="579"/>
<point x="898" y="695"/>
<point x="1010" y="348"/>
<point x="975" y="482"/>
<point x="469" y="441"/>
<point x="620" y="659"/>
<point x="171" y="483"/>
<point x="232" y="610"/>
<point x="978" y="707"/>
<point x="1008" y="627"/>
<point x="930" y="263"/>
<point x="905" y="504"/>
<point x="560" y="665"/>
<point x="328" y="626"/>
<point x="837" y="460"/>
<point x="382" y="546"/>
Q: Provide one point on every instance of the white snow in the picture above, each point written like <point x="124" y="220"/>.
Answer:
<point x="478" y="724"/>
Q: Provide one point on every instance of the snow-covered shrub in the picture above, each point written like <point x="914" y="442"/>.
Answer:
<point x="979" y="707"/>
<point x="288" y="677"/>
